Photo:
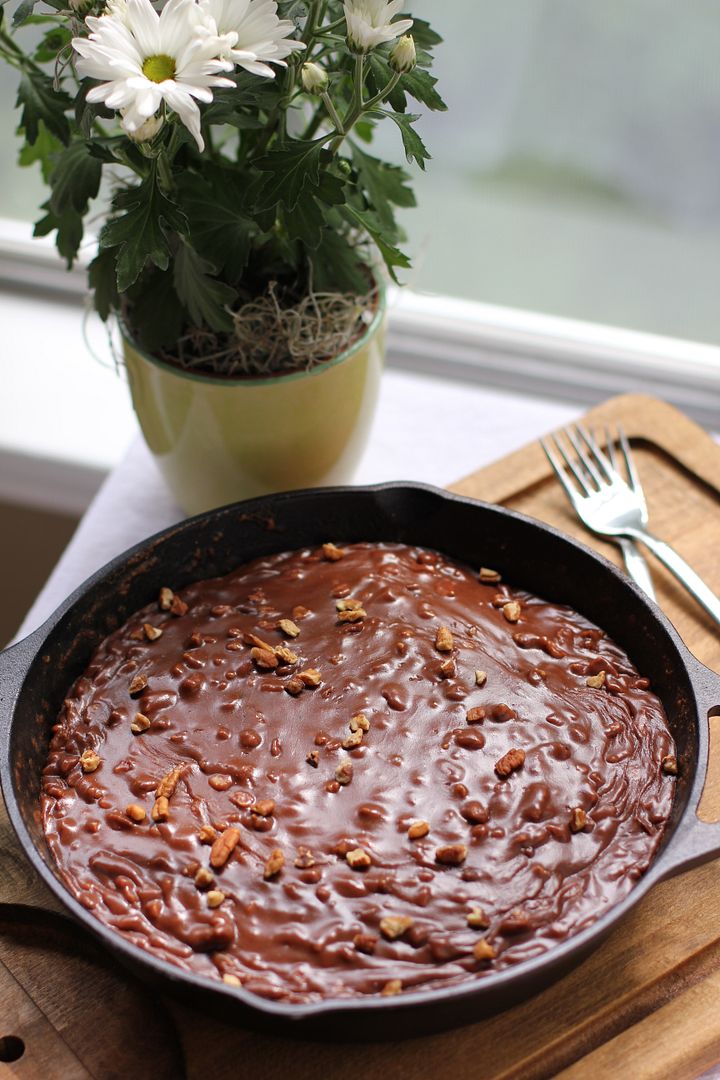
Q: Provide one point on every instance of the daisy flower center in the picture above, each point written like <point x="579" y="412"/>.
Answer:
<point x="159" y="68"/>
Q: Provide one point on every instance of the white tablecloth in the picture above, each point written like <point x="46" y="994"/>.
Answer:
<point x="425" y="429"/>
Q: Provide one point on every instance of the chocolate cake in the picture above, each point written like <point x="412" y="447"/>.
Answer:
<point x="355" y="770"/>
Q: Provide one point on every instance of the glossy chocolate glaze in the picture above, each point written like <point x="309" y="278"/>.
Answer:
<point x="516" y="847"/>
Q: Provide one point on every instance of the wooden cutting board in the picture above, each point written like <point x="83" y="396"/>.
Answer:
<point x="647" y="1004"/>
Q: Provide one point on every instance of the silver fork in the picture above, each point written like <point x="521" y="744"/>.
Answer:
<point x="609" y="506"/>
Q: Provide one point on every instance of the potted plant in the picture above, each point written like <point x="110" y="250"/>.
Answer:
<point x="246" y="227"/>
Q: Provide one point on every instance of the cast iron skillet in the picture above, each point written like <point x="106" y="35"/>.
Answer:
<point x="35" y="675"/>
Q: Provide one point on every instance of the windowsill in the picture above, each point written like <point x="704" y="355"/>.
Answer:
<point x="66" y="418"/>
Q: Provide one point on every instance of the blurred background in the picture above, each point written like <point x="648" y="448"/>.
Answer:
<point x="575" y="174"/>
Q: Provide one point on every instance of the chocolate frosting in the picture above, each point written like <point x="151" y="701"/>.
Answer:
<point x="464" y="706"/>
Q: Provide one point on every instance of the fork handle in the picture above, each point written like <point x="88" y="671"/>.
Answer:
<point x="636" y="566"/>
<point x="682" y="571"/>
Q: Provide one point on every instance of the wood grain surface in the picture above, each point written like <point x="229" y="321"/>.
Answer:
<point x="644" y="1006"/>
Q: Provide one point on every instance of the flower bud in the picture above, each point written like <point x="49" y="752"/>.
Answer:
<point x="314" y="78"/>
<point x="147" y="130"/>
<point x="402" y="56"/>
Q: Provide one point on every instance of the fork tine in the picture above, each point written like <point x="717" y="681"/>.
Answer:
<point x="610" y="448"/>
<point x="597" y="453"/>
<point x="633" y="477"/>
<point x="573" y="467"/>
<point x="580" y="451"/>
<point x="570" y="491"/>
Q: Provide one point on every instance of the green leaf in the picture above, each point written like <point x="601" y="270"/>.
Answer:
<point x="23" y="12"/>
<point x="43" y="150"/>
<point x="424" y="35"/>
<point x="420" y="85"/>
<point x="338" y="266"/>
<point x="143" y="231"/>
<point x="385" y="185"/>
<point x="75" y="179"/>
<point x="219" y="229"/>
<point x="305" y="223"/>
<point x="415" y="149"/>
<point x="204" y="296"/>
<point x="102" y="277"/>
<point x="291" y="169"/>
<point x="53" y="42"/>
<point x="156" y="316"/>
<point x="392" y="256"/>
<point x="69" y="228"/>
<point x="39" y="101"/>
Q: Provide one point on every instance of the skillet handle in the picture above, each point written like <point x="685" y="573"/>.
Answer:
<point x="697" y="841"/>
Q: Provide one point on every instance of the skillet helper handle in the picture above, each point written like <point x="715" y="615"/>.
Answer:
<point x="698" y="841"/>
<point x="15" y="662"/>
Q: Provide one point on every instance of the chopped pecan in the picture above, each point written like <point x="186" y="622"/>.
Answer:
<point x="137" y="685"/>
<point x="597" y="681"/>
<point x="177" y="606"/>
<point x="313" y="758"/>
<point x="447" y="668"/>
<point x="231" y="980"/>
<point x="348" y="604"/>
<point x="214" y="898"/>
<point x="332" y="553"/>
<point x="512" y="611"/>
<point x="392" y="987"/>
<point x="224" y="846"/>
<point x="161" y="808"/>
<point x="310" y="677"/>
<point x="286" y="655"/>
<point x="360" y="722"/>
<point x="206" y="834"/>
<point x="480" y="678"/>
<point x="169" y="782"/>
<point x="578" y="820"/>
<point x="394" y="926"/>
<point x="305" y="858"/>
<point x="476" y="715"/>
<point x="344" y="772"/>
<point x="353" y="616"/>
<point x="418" y="829"/>
<point x="358" y="859"/>
<point x="140" y="723"/>
<point x="263" y="807"/>
<point x="488" y="576"/>
<point x="220" y="781"/>
<point x="444" y="640"/>
<point x="514" y="759"/>
<point x="89" y="761"/>
<point x="670" y="765"/>
<point x="264" y="658"/>
<point x="204" y="878"/>
<point x="135" y="812"/>
<point x="477" y="919"/>
<point x="451" y="854"/>
<point x="288" y="627"/>
<point x="300" y="612"/>
<point x="353" y="739"/>
<point x="152" y="633"/>
<point x="365" y="943"/>
<point x="274" y="864"/>
<point x="483" y="950"/>
<point x="294" y="686"/>
<point x="165" y="598"/>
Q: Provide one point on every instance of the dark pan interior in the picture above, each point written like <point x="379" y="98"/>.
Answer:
<point x="528" y="555"/>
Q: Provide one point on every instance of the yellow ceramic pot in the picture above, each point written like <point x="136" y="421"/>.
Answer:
<point x="219" y="439"/>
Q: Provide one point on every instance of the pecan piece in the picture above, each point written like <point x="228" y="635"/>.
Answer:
<point x="313" y="758"/>
<point x="140" y="723"/>
<point x="152" y="633"/>
<point x="300" y="612"/>
<point x="137" y="685"/>
<point x="203" y="878"/>
<point x="578" y="820"/>
<point x="597" y="681"/>
<point x="231" y="980"/>
<point x="263" y="807"/>
<point x="444" y="640"/>
<point x="332" y="553"/>
<point x="214" y="898"/>
<point x="310" y="677"/>
<point x="344" y="772"/>
<point x="670" y="765"/>
<point x="514" y="759"/>
<point x="418" y="829"/>
<point x="165" y="598"/>
<point x="360" y="722"/>
<point x="480" y="678"/>
<point x="483" y="950"/>
<point x="274" y="864"/>
<point x="294" y="686"/>
<point x="348" y="605"/>
<point x="161" y="808"/>
<point x="365" y="943"/>
<point x="264" y="658"/>
<point x="223" y="847"/>
<point x="352" y="740"/>
<point x="352" y="616"/>
<point x="135" y="812"/>
<point x="169" y="782"/>
<point x="477" y="919"/>
<point x="392" y="987"/>
<point x="476" y="715"/>
<point x="488" y="576"/>
<point x="451" y="854"/>
<point x="89" y="761"/>
<point x="206" y="834"/>
<point x="394" y="926"/>
<point x="286" y="655"/>
<point x="358" y="859"/>
<point x="178" y="607"/>
<point x="512" y="611"/>
<point x="447" y="668"/>
<point x="288" y="627"/>
<point x="305" y="858"/>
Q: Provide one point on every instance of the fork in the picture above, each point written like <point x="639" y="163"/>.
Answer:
<point x="611" y="507"/>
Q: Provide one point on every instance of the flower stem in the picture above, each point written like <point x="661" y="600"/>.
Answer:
<point x="332" y="112"/>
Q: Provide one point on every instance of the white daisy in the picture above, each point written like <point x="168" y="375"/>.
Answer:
<point x="369" y="23"/>
<point x="262" y="38"/>
<point x="144" y="59"/>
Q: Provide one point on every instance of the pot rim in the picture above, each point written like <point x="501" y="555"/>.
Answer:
<point x="265" y="380"/>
